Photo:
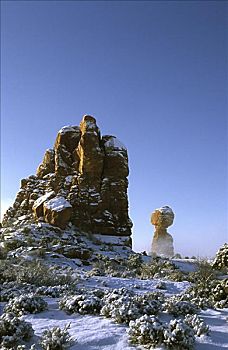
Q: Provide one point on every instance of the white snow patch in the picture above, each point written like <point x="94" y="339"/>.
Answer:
<point x="114" y="143"/>
<point x="57" y="204"/>
<point x="43" y="198"/>
<point x="66" y="129"/>
<point x="115" y="240"/>
<point x="165" y="210"/>
<point x="68" y="179"/>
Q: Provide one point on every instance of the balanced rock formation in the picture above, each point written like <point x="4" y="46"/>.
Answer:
<point x="82" y="181"/>
<point x="162" y="244"/>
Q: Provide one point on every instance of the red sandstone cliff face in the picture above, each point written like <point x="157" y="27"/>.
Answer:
<point x="89" y="172"/>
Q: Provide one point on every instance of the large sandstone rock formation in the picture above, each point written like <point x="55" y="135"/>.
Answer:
<point x="162" y="243"/>
<point x="84" y="172"/>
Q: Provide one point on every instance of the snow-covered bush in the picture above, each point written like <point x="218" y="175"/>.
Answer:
<point x="53" y="291"/>
<point x="160" y="268"/>
<point x="10" y="290"/>
<point x="200" y="302"/>
<point x="156" y="296"/>
<point x="213" y="294"/>
<point x="56" y="339"/>
<point x="126" y="307"/>
<point x="24" y="347"/>
<point x="86" y="303"/>
<point x="176" y="276"/>
<point x="221" y="259"/>
<point x="146" y="330"/>
<point x="33" y="272"/>
<point x="95" y="271"/>
<point x="116" y="293"/>
<point x="25" y="304"/>
<point x="197" y="324"/>
<point x="134" y="262"/>
<point x="178" y="335"/>
<point x="117" y="267"/>
<point x="39" y="274"/>
<point x="176" y="307"/>
<point x="13" y="330"/>
<point x="220" y="294"/>
<point x="205" y="273"/>
<point x="200" y="293"/>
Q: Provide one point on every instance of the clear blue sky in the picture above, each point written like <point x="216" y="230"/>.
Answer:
<point x="152" y="73"/>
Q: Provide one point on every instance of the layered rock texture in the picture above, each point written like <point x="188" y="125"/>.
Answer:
<point x="162" y="244"/>
<point x="82" y="182"/>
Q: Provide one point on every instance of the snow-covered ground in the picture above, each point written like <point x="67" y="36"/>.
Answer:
<point x="96" y="332"/>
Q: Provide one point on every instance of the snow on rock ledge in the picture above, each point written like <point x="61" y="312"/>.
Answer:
<point x="113" y="143"/>
<point x="57" y="212"/>
<point x="58" y="204"/>
<point x="38" y="204"/>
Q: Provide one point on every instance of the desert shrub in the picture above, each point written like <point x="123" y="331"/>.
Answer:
<point x="197" y="324"/>
<point x="146" y="330"/>
<point x="220" y="294"/>
<point x="26" y="304"/>
<point x="221" y="259"/>
<point x="56" y="339"/>
<point x="95" y="271"/>
<point x="10" y="290"/>
<point x="117" y="267"/>
<point x="213" y="294"/>
<point x="126" y="307"/>
<point x="156" y="296"/>
<point x="176" y="276"/>
<point x="13" y="330"/>
<point x="13" y="243"/>
<point x="157" y="268"/>
<point x="105" y="266"/>
<point x="176" y="307"/>
<point x="32" y="272"/>
<point x="200" y="302"/>
<point x="24" y="347"/>
<point x="204" y="274"/>
<point x="3" y="253"/>
<point x="134" y="262"/>
<point x="7" y="270"/>
<point x="178" y="335"/>
<point x="53" y="291"/>
<point x="41" y="275"/>
<point x="84" y="303"/>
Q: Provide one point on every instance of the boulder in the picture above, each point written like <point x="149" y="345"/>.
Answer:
<point x="38" y="208"/>
<point x="57" y="212"/>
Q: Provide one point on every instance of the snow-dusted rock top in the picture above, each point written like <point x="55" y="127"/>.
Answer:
<point x="67" y="128"/>
<point x="114" y="143"/>
<point x="57" y="204"/>
<point x="43" y="198"/>
<point x="165" y="210"/>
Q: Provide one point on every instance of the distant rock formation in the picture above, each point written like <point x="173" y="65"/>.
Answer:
<point x="81" y="181"/>
<point x="162" y="243"/>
